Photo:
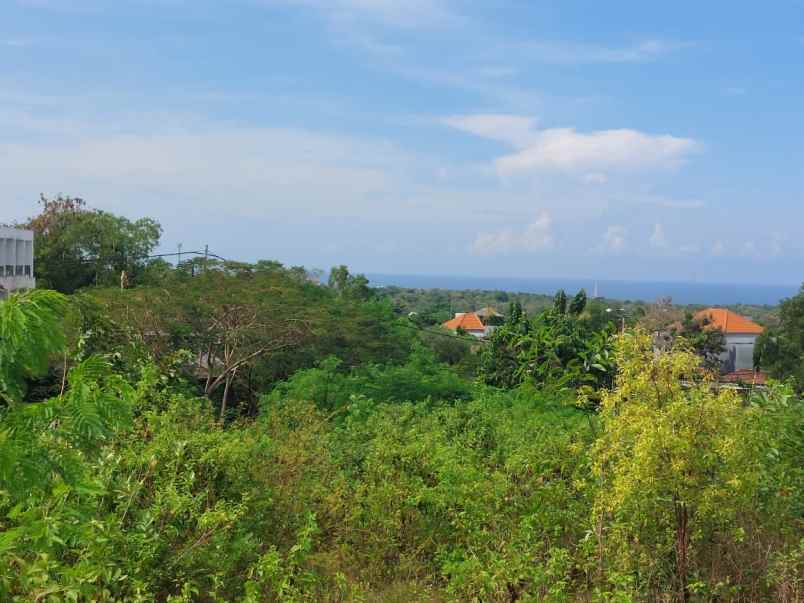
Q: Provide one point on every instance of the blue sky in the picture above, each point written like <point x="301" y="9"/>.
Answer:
<point x="628" y="140"/>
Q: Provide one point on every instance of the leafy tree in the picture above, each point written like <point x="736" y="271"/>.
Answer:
<point x="31" y="331"/>
<point x="560" y="302"/>
<point x="553" y="349"/>
<point x="578" y="303"/>
<point x="708" y="342"/>
<point x="780" y="349"/>
<point x="596" y="316"/>
<point x="230" y="317"/>
<point x="678" y="462"/>
<point x="76" y="246"/>
<point x="349" y="285"/>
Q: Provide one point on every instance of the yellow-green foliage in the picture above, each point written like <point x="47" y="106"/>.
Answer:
<point x="678" y="464"/>
<point x="127" y="488"/>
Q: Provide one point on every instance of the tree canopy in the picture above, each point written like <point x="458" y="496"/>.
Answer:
<point x="780" y="349"/>
<point x="75" y="246"/>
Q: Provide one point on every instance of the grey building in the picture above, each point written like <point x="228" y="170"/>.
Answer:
<point x="740" y="335"/>
<point x="16" y="259"/>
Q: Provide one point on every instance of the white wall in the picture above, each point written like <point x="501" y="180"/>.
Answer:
<point x="739" y="352"/>
<point x="16" y="259"/>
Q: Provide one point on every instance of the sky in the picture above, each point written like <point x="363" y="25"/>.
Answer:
<point x="605" y="140"/>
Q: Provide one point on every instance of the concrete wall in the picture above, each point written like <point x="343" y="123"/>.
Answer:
<point x="16" y="259"/>
<point x="739" y="352"/>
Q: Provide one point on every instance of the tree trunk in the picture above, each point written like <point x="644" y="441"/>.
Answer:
<point x="682" y="545"/>
<point x="225" y="396"/>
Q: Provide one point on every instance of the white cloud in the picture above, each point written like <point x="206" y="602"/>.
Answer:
<point x="566" y="149"/>
<point x="658" y="240"/>
<point x="536" y="237"/>
<point x="614" y="240"/>
<point x="718" y="248"/>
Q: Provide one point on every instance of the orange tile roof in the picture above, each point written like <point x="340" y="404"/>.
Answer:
<point x="468" y="322"/>
<point x="728" y="321"/>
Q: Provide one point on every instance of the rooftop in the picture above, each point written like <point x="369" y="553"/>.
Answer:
<point x="468" y="321"/>
<point x="728" y="321"/>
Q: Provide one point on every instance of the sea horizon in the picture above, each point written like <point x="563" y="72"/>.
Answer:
<point x="647" y="291"/>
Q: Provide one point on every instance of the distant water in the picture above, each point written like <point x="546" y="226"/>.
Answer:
<point x="682" y="293"/>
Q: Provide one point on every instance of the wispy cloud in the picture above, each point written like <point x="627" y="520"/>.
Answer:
<point x="658" y="239"/>
<point x="613" y="240"/>
<point x="395" y="13"/>
<point x="15" y="43"/>
<point x="678" y="203"/>
<point x="536" y="236"/>
<point x="515" y="130"/>
<point x="734" y="91"/>
<point x="558" y="52"/>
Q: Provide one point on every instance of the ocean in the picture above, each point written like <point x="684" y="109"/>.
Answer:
<point x="682" y="293"/>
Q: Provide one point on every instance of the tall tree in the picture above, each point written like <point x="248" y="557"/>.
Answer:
<point x="780" y="349"/>
<point x="578" y="303"/>
<point x="560" y="302"/>
<point x="353" y="286"/>
<point x="76" y="246"/>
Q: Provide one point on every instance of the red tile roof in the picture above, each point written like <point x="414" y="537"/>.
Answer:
<point x="468" y="322"/>
<point x="728" y="321"/>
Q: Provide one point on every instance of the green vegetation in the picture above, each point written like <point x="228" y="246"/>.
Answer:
<point x="434" y="306"/>
<point x="230" y="432"/>
<point x="780" y="349"/>
<point x="76" y="246"/>
<point x="557" y="349"/>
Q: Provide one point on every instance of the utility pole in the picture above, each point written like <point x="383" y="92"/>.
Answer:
<point x="206" y="256"/>
<point x="178" y="262"/>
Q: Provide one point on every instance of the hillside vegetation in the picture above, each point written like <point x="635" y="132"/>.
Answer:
<point x="233" y="432"/>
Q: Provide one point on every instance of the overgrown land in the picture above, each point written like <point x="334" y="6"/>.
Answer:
<point x="217" y="431"/>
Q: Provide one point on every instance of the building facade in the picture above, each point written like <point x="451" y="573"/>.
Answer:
<point x="16" y="260"/>
<point x="740" y="334"/>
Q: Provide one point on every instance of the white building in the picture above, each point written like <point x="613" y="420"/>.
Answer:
<point x="740" y="334"/>
<point x="16" y="259"/>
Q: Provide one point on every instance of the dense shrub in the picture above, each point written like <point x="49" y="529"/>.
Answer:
<point x="394" y="483"/>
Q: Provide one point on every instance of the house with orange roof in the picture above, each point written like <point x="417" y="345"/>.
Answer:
<point x="469" y="322"/>
<point x="740" y="334"/>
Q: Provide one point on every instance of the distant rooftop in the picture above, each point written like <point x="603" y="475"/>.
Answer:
<point x="728" y="321"/>
<point x="468" y="321"/>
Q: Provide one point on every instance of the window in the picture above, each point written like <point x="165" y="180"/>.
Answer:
<point x="27" y="270"/>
